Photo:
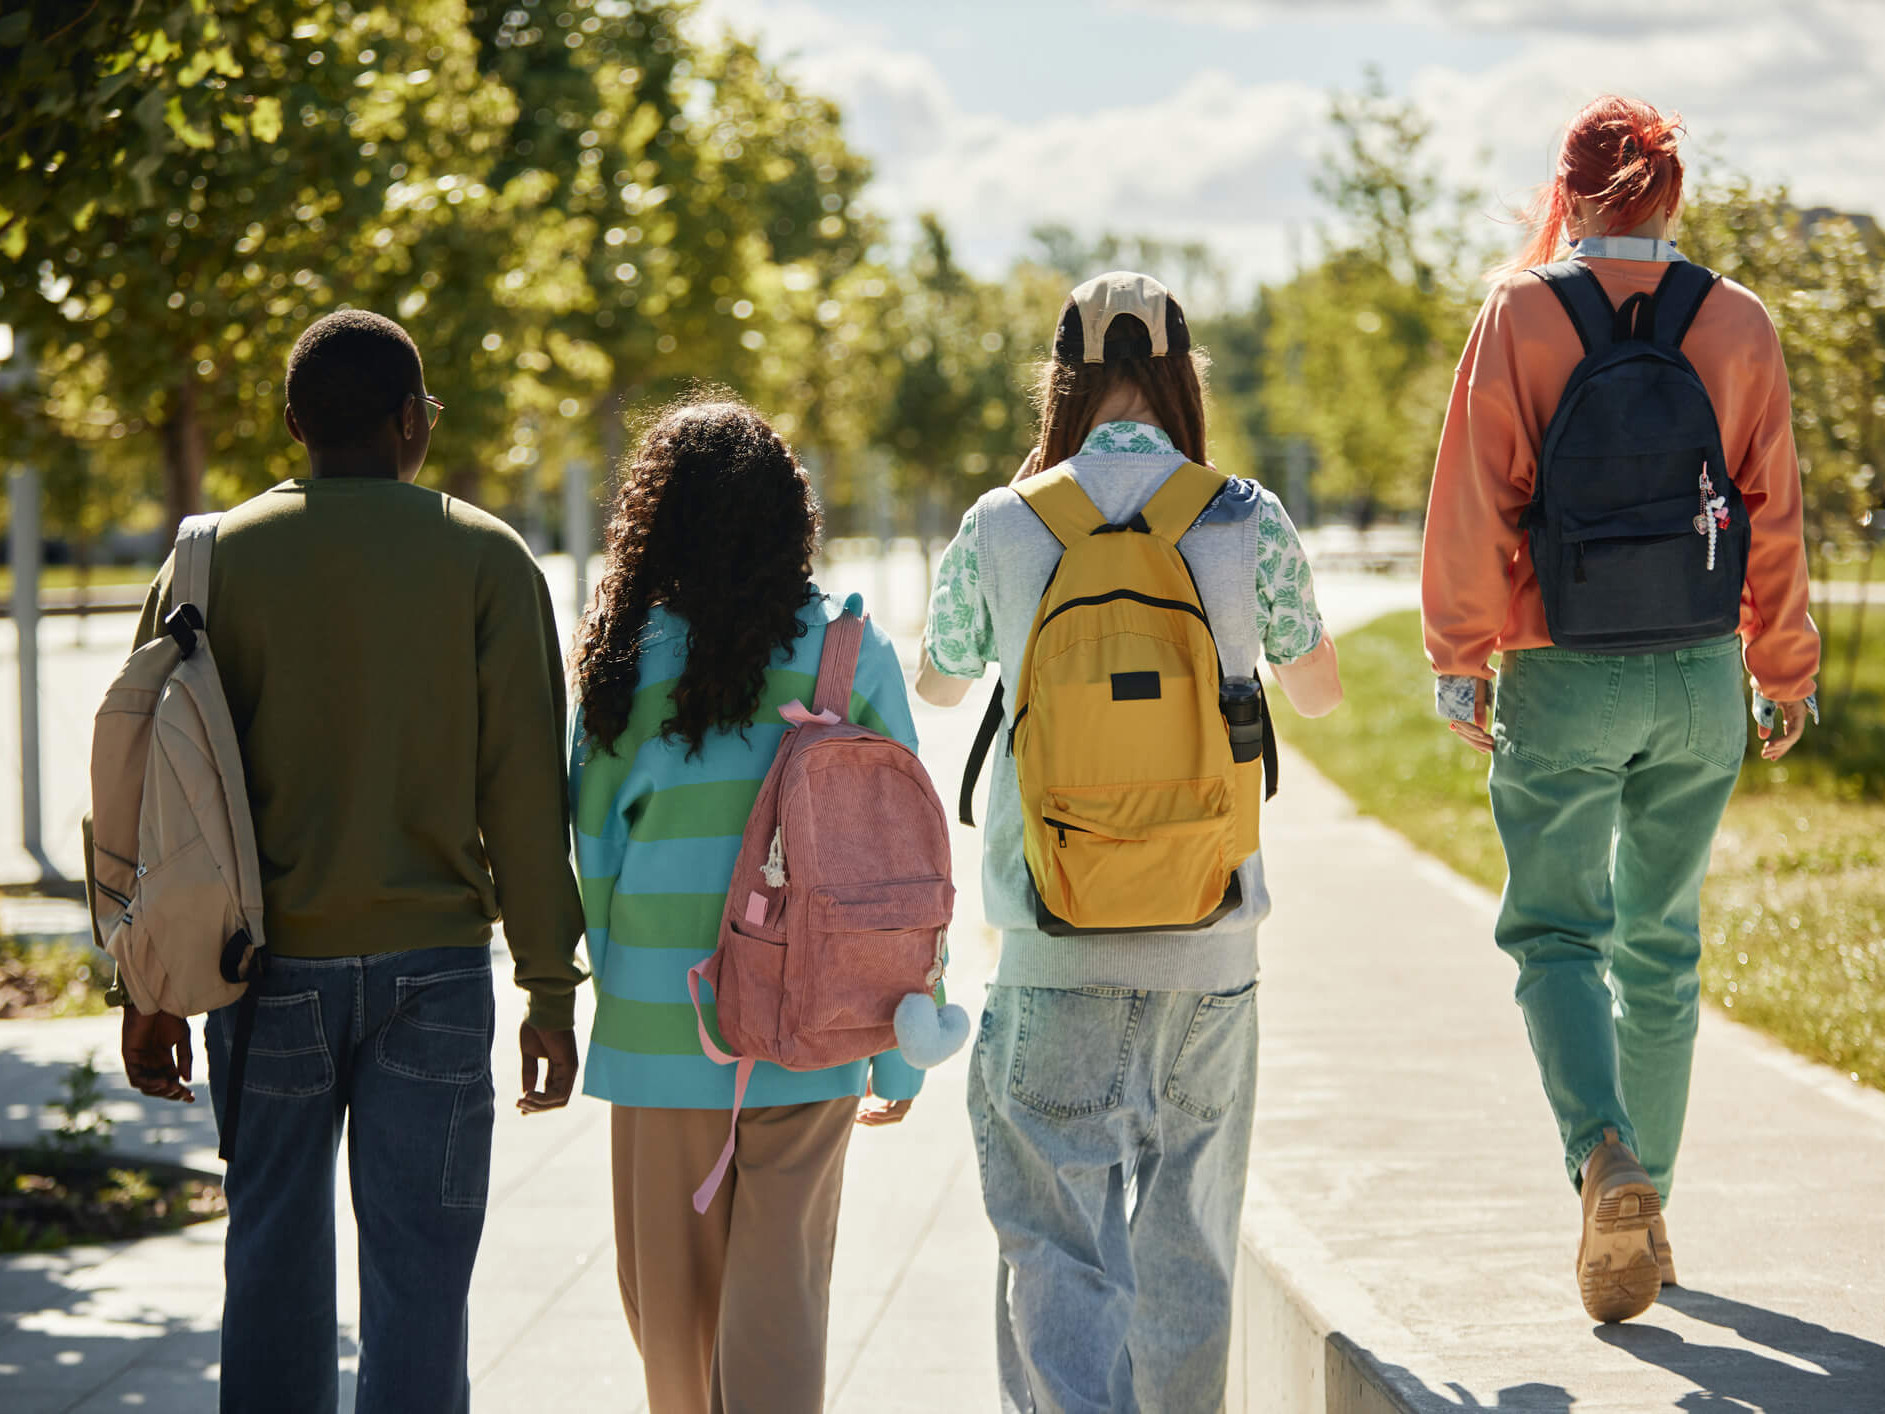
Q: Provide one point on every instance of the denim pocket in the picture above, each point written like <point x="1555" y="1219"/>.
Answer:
<point x="1215" y="1058"/>
<point x="440" y="1029"/>
<point x="467" y="1179"/>
<point x="288" y="1053"/>
<point x="1557" y="709"/>
<point x="1072" y="1048"/>
<point x="1718" y="719"/>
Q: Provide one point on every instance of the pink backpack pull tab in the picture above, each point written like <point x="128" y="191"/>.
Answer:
<point x="794" y="712"/>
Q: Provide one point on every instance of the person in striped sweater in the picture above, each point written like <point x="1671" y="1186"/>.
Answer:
<point x="705" y="623"/>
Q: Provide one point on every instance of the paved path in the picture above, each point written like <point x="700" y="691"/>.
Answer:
<point x="1409" y="1183"/>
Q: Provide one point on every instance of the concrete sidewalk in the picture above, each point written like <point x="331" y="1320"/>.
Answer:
<point x="1409" y="1231"/>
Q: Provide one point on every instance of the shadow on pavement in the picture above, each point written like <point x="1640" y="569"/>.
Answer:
<point x="35" y="1057"/>
<point x="1848" y="1378"/>
<point x="1532" y="1397"/>
<point x="62" y="1348"/>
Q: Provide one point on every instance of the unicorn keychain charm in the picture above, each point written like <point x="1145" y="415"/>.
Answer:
<point x="1714" y="514"/>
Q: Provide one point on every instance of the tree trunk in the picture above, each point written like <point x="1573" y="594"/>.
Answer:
<point x="183" y="458"/>
<point x="614" y="437"/>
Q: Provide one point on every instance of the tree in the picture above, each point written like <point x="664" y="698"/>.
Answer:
<point x="246" y="215"/>
<point x="1357" y="356"/>
<point x="1822" y="277"/>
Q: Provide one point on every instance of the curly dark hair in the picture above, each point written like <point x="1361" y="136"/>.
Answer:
<point x="715" y="521"/>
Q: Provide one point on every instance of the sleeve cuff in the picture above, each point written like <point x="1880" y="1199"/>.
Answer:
<point x="1316" y="634"/>
<point x="1456" y="696"/>
<point x="894" y="1078"/>
<point x="1767" y="711"/>
<point x="552" y="1013"/>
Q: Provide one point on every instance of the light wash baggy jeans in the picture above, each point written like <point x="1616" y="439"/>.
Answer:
<point x="1113" y="1131"/>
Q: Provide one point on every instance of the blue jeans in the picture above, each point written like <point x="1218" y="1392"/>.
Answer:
<point x="1112" y="1127"/>
<point x="1610" y="778"/>
<point x="399" y="1046"/>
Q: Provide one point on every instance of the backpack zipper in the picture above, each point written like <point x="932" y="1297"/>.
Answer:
<point x="1061" y="826"/>
<point x="1136" y="598"/>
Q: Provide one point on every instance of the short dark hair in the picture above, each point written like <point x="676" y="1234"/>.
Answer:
<point x="347" y="371"/>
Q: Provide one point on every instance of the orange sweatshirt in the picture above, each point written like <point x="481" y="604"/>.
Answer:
<point x="1479" y="594"/>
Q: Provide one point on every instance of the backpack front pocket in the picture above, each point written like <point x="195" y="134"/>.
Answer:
<point x="1145" y="855"/>
<point x="874" y="944"/>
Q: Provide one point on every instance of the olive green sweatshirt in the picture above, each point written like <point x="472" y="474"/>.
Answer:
<point x="390" y="659"/>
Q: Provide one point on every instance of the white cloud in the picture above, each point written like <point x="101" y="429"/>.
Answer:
<point x="1788" y="101"/>
<point x="1792" y="93"/>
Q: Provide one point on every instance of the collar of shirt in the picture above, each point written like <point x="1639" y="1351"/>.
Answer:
<point x="1135" y="438"/>
<point x="1651" y="248"/>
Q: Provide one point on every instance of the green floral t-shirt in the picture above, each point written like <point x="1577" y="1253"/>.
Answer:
<point x="960" y="637"/>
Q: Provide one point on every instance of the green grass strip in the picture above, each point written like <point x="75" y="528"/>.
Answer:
<point x="1793" y="916"/>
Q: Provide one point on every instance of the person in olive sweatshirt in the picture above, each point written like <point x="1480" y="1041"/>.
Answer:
<point x="390" y="658"/>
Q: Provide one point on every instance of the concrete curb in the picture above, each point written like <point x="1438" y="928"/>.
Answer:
<point x="1307" y="1338"/>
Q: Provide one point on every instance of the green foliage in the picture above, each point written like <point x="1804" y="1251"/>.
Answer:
<point x="49" y="978"/>
<point x="958" y="417"/>
<point x="48" y="1200"/>
<point x="1357" y="350"/>
<point x="1793" y="921"/>
<point x="84" y="1127"/>
<point x="574" y="203"/>
<point x="1822" y="277"/>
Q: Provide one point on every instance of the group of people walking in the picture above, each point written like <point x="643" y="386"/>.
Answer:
<point x="1615" y="513"/>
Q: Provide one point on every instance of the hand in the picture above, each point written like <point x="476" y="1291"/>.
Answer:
<point x="1030" y="466"/>
<point x="156" y="1049"/>
<point x="1792" y="723"/>
<point x="1474" y="733"/>
<point x="874" y="1113"/>
<point x="557" y="1051"/>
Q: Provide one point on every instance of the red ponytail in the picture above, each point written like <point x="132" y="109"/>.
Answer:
<point x="1619" y="153"/>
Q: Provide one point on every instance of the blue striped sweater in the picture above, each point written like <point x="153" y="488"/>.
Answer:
<point x="656" y="838"/>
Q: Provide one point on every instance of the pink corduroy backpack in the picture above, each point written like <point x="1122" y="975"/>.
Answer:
<point x="833" y="940"/>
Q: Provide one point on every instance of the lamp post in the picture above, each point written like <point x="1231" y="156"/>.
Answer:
<point x="23" y="535"/>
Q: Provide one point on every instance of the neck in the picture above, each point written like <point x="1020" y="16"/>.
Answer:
<point x="353" y="463"/>
<point x="1126" y="405"/>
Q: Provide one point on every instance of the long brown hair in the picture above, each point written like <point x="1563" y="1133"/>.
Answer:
<point x="1619" y="153"/>
<point x="1069" y="394"/>
<point x="716" y="521"/>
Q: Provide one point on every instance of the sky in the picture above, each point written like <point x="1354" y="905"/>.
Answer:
<point x="1204" y="119"/>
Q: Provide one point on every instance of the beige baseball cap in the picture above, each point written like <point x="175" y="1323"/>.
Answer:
<point x="1091" y="309"/>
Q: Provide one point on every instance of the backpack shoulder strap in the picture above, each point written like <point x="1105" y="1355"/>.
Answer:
<point x="189" y="577"/>
<point x="1066" y="510"/>
<point x="837" y="665"/>
<point x="1679" y="299"/>
<point x="1177" y="504"/>
<point x="1582" y="295"/>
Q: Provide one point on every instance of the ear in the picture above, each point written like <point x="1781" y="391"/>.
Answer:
<point x="294" y="428"/>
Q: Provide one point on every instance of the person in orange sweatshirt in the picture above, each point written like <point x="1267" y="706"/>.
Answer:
<point x="1616" y="513"/>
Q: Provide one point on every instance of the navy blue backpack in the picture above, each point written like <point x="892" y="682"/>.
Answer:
<point x="1638" y="534"/>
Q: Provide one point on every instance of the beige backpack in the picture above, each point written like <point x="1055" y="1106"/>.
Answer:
<point x="175" y="881"/>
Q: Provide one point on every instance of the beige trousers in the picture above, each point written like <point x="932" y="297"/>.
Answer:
<point x="729" y="1307"/>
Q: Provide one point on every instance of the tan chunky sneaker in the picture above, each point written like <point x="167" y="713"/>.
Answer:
<point x="1665" y="1258"/>
<point x="1617" y="1271"/>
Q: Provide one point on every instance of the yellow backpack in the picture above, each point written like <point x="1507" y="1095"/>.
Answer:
<point x="1135" y="816"/>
